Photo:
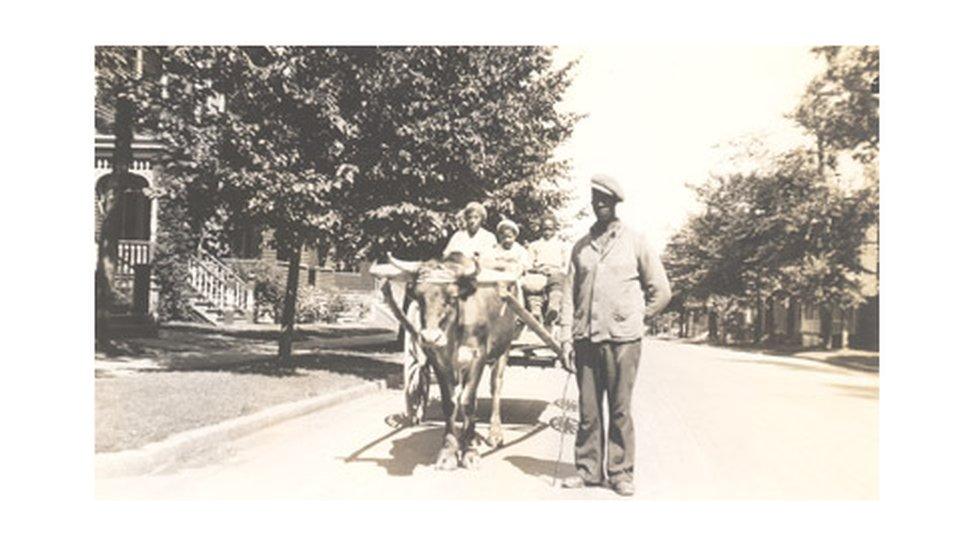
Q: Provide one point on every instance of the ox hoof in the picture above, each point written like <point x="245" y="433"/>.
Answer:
<point x="471" y="460"/>
<point x="495" y="438"/>
<point x="446" y="460"/>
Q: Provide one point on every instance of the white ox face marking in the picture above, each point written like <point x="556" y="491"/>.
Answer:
<point x="438" y="311"/>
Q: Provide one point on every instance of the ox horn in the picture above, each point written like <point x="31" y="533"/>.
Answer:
<point x="405" y="266"/>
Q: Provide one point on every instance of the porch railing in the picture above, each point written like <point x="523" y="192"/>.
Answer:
<point x="132" y="253"/>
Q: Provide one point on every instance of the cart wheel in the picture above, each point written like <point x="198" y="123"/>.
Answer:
<point x="416" y="372"/>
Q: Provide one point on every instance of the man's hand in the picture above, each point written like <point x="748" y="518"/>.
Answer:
<point x="568" y="357"/>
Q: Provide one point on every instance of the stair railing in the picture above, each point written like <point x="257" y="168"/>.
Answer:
<point x="219" y="284"/>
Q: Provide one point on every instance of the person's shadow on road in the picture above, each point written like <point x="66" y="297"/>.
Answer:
<point x="407" y="453"/>
<point x="543" y="468"/>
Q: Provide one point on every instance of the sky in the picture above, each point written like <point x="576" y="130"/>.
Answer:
<point x="657" y="117"/>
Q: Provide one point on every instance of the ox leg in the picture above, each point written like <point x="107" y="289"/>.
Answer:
<point x="447" y="458"/>
<point x="495" y="438"/>
<point x="470" y="458"/>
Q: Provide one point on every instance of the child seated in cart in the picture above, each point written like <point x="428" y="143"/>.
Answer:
<point x="544" y="283"/>
<point x="508" y="255"/>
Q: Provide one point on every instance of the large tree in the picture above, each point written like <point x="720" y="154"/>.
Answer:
<point x="362" y="150"/>
<point x="840" y="105"/>
<point x="121" y="86"/>
<point x="439" y="127"/>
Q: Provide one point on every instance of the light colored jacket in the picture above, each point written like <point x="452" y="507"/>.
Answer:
<point x="549" y="255"/>
<point x="514" y="260"/>
<point x="613" y="289"/>
<point x="479" y="245"/>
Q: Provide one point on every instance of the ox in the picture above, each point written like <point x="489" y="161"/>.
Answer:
<point x="465" y="324"/>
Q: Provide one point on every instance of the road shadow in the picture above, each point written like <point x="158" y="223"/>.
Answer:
<point x="421" y="445"/>
<point x="544" y="468"/>
<point x="419" y="448"/>
<point x="783" y="364"/>
<point x="858" y="391"/>
<point x="857" y="362"/>
<point x="513" y="411"/>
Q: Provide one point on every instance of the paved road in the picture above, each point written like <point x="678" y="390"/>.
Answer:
<point x="712" y="423"/>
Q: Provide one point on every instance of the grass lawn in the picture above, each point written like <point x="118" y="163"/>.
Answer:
<point x="151" y="388"/>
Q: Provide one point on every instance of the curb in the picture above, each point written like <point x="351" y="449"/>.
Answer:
<point x="158" y="455"/>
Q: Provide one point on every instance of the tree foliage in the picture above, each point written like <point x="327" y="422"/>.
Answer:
<point x="782" y="231"/>
<point x="371" y="149"/>
<point x="782" y="227"/>
<point x="840" y="106"/>
<point x="361" y="150"/>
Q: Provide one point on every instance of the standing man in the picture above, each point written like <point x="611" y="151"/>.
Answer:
<point x="615" y="284"/>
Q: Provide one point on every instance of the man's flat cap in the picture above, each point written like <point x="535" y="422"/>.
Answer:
<point x="608" y="186"/>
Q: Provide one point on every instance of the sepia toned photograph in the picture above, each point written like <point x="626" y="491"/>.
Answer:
<point x="572" y="272"/>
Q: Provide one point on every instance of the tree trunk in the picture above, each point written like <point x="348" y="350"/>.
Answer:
<point x="792" y="326"/>
<point x="683" y="323"/>
<point x="712" y="325"/>
<point x="844" y="329"/>
<point x="760" y="327"/>
<point x="827" y="326"/>
<point x="108" y="234"/>
<point x="288" y="314"/>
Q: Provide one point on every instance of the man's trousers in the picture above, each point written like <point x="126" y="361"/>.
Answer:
<point x="605" y="368"/>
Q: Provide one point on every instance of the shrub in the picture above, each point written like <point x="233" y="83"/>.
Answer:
<point x="174" y="247"/>
<point x="316" y="305"/>
<point x="312" y="304"/>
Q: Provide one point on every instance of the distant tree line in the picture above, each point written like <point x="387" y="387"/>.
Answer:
<point x="781" y="226"/>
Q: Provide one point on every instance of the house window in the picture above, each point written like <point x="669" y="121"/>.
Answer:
<point x="246" y="242"/>
<point x="311" y="276"/>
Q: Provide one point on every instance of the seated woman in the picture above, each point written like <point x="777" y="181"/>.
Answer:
<point x="472" y="240"/>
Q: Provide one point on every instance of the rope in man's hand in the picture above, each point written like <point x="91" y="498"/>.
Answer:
<point x="562" y="429"/>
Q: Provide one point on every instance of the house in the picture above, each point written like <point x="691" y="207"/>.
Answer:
<point x="220" y="293"/>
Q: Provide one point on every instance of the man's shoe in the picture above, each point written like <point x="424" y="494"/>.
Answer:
<point x="624" y="488"/>
<point x="577" y="481"/>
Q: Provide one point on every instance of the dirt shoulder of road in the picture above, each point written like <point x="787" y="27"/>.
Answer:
<point x="147" y="389"/>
